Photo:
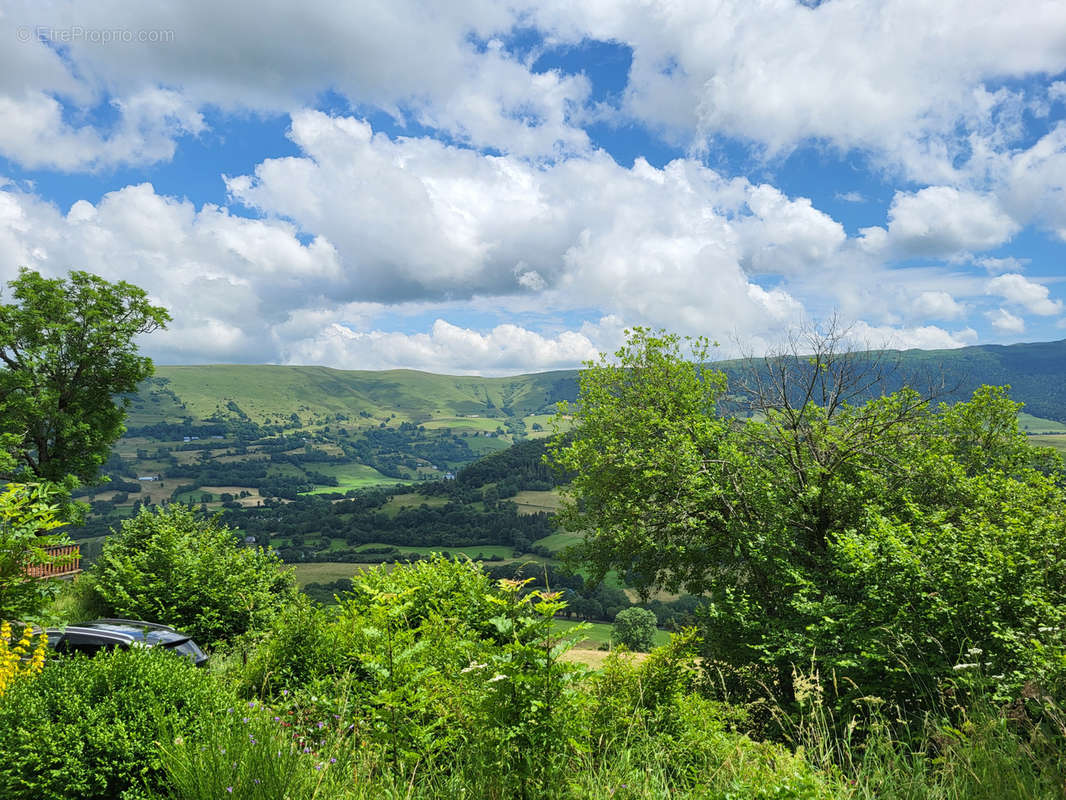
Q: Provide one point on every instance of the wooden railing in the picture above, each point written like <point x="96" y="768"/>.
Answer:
<point x="68" y="562"/>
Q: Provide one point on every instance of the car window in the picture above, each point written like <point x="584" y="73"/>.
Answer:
<point x="188" y="648"/>
<point x="83" y="643"/>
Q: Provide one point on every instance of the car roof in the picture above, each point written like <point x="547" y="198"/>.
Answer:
<point x="136" y="630"/>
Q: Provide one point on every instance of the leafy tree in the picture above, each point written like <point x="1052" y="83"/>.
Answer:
<point x="66" y="350"/>
<point x="27" y="514"/>
<point x="882" y="540"/>
<point x="634" y="628"/>
<point x="175" y="567"/>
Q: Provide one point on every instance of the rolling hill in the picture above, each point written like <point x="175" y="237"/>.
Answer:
<point x="272" y="394"/>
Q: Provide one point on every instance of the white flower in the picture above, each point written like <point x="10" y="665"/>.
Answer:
<point x="472" y="666"/>
<point x="497" y="677"/>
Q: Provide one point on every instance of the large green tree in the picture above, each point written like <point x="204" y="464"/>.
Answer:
<point x="882" y="539"/>
<point x="67" y="352"/>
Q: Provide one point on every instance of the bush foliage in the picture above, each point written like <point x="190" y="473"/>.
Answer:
<point x="173" y="566"/>
<point x="90" y="728"/>
<point x="886" y="542"/>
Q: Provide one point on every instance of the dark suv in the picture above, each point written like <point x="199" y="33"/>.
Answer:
<point x="107" y="634"/>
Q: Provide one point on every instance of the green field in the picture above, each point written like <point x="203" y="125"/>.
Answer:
<point x="484" y="445"/>
<point x="1055" y="441"/>
<point x="1031" y="424"/>
<point x="530" y="502"/>
<point x="547" y="423"/>
<point x="559" y="541"/>
<point x="326" y="572"/>
<point x="316" y="394"/>
<point x="600" y="633"/>
<point x="329" y="571"/>
<point x="412" y="500"/>
<point x="486" y="550"/>
<point x="472" y="423"/>
<point x="352" y="476"/>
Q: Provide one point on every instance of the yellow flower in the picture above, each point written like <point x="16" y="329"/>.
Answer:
<point x="12" y="657"/>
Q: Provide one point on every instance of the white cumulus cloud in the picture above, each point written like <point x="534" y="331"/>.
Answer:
<point x="1005" y="322"/>
<point x="1033" y="297"/>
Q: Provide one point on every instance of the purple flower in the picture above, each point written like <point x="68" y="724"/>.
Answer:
<point x="321" y="725"/>
<point x="244" y="720"/>
<point x="229" y="789"/>
<point x="333" y="761"/>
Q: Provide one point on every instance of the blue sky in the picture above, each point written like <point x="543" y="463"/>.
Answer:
<point x="498" y="188"/>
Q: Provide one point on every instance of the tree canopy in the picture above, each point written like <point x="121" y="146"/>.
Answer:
<point x="883" y="540"/>
<point x="181" y="569"/>
<point x="67" y="350"/>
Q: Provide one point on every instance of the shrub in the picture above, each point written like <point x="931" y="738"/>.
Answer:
<point x="175" y="567"/>
<point x="89" y="728"/>
<point x="634" y="628"/>
<point x="437" y="668"/>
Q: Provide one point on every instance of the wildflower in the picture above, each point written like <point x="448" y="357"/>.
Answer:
<point x="244" y="720"/>
<point x="961" y="667"/>
<point x="333" y="761"/>
<point x="229" y="789"/>
<point x="497" y="677"/>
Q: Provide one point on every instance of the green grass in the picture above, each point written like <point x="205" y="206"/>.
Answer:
<point x="600" y="633"/>
<point x="326" y="572"/>
<point x="559" y="541"/>
<point x="485" y="550"/>
<point x="530" y="502"/>
<point x="1054" y="441"/>
<point x="547" y="425"/>
<point x="318" y="393"/>
<point x="1031" y="424"/>
<point x="487" y="424"/>
<point x="412" y="500"/>
<point x="483" y="445"/>
<point x="352" y="476"/>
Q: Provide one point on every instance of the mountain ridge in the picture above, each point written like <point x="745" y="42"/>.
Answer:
<point x="1036" y="371"/>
